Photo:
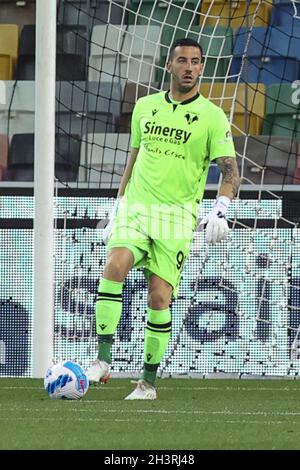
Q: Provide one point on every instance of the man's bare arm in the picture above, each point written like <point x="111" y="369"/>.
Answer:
<point x="230" y="176"/>
<point x="127" y="172"/>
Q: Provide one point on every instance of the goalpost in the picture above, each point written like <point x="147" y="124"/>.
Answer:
<point x="43" y="321"/>
<point x="238" y="307"/>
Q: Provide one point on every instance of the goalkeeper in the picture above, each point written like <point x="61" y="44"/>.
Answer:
<point x="174" y="137"/>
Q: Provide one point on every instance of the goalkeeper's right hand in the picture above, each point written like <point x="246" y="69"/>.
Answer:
<point x="108" y="227"/>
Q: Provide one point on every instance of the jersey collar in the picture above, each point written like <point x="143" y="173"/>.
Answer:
<point x="193" y="98"/>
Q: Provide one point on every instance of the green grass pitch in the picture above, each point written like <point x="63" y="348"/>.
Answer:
<point x="189" y="415"/>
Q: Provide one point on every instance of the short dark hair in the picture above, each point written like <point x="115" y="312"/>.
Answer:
<point x="184" y="42"/>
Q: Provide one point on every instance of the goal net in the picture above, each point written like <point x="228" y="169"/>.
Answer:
<point x="238" y="306"/>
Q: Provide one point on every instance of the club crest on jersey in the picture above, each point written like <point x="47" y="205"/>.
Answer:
<point x="191" y="118"/>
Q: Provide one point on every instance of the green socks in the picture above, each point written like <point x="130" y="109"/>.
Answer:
<point x="108" y="313"/>
<point x="157" y="336"/>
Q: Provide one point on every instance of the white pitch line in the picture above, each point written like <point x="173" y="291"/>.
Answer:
<point x="21" y="388"/>
<point x="163" y="412"/>
<point x="42" y="388"/>
<point x="147" y="420"/>
<point x="222" y="389"/>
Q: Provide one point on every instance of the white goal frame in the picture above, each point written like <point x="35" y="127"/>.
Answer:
<point x="44" y="157"/>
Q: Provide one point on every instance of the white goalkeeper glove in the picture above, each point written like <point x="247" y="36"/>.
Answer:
<point x="112" y="216"/>
<point x="215" y="223"/>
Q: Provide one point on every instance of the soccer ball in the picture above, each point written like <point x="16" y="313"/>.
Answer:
<point x="66" y="379"/>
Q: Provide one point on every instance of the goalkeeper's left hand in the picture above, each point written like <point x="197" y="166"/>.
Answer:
<point x="215" y="223"/>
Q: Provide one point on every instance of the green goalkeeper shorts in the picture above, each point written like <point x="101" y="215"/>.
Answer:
<point x="159" y="237"/>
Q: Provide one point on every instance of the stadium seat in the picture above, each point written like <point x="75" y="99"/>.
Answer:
<point x="103" y="158"/>
<point x="129" y="53"/>
<point x="83" y="107"/>
<point x="267" y="70"/>
<point x="20" y="158"/>
<point x="287" y="14"/>
<point x="217" y="48"/>
<point x="297" y="172"/>
<point x="234" y="13"/>
<point x="20" y="165"/>
<point x="246" y="100"/>
<point x="71" y="53"/>
<point x="71" y="107"/>
<point x="103" y="106"/>
<point x="3" y="154"/>
<point x="265" y="62"/>
<point x="17" y="113"/>
<point x="277" y="40"/>
<point x="5" y="99"/>
<point x="283" y="110"/>
<point x="266" y="159"/>
<point x="181" y="13"/>
<point x="70" y="39"/>
<point x="100" y="12"/>
<point x="213" y="174"/>
<point x="67" y="157"/>
<point x="26" y="67"/>
<point x="264" y="42"/>
<point x="132" y="92"/>
<point x="5" y="67"/>
<point x="27" y="40"/>
<point x="68" y="67"/>
<point x="9" y="46"/>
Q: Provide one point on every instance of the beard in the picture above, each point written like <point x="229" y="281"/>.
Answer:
<point x="186" y="87"/>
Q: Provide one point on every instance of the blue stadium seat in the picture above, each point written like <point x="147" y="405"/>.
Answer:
<point x="213" y="174"/>
<point x="287" y="44"/>
<point x="286" y="14"/>
<point x="267" y="70"/>
<point x="271" y="56"/>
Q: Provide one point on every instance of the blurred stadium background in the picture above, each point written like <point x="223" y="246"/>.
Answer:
<point x="238" y="311"/>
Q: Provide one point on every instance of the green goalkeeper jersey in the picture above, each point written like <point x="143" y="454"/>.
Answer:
<point x="176" y="142"/>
